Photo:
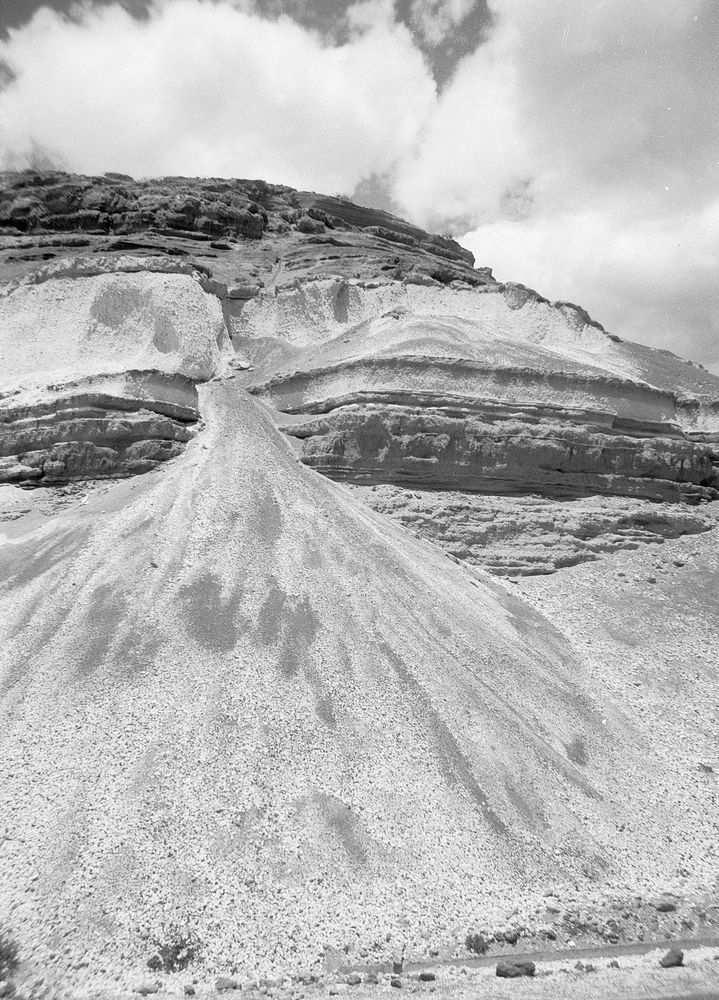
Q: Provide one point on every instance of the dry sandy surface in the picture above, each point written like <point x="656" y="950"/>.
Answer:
<point x="635" y="978"/>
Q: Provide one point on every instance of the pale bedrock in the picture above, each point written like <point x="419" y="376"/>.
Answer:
<point x="70" y="327"/>
<point x="96" y="428"/>
<point x="468" y="381"/>
<point x="313" y="308"/>
<point x="519" y="536"/>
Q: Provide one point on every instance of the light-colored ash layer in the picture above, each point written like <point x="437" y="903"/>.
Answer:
<point x="234" y="696"/>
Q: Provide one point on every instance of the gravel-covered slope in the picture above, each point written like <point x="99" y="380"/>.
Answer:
<point x="233" y="697"/>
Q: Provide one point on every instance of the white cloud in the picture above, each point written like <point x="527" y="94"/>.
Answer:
<point x="580" y="147"/>
<point x="471" y="150"/>
<point x="208" y="88"/>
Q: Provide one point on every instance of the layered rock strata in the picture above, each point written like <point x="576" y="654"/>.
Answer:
<point x="533" y="535"/>
<point x="458" y="403"/>
<point x="385" y="355"/>
<point x="97" y="428"/>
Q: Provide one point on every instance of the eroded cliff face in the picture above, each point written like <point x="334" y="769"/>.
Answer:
<point x="255" y="704"/>
<point x="384" y="354"/>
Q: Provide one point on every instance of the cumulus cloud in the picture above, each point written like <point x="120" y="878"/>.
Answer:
<point x="579" y="148"/>
<point x="202" y="87"/>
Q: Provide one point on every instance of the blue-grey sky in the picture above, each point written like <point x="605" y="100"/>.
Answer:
<point x="573" y="145"/>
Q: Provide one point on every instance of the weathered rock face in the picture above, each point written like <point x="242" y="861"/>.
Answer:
<point x="97" y="428"/>
<point x="503" y="396"/>
<point x="204" y="208"/>
<point x="99" y="358"/>
<point x="503" y="451"/>
<point x="531" y="535"/>
<point x="118" y="317"/>
<point x="386" y="356"/>
<point x="254" y="704"/>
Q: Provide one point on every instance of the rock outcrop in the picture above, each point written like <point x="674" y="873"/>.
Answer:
<point x="97" y="428"/>
<point x="388" y="358"/>
<point x="529" y="535"/>
<point x="474" y="397"/>
<point x="202" y="209"/>
<point x="99" y="359"/>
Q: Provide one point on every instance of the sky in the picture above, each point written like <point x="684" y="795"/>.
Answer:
<point x="572" y="145"/>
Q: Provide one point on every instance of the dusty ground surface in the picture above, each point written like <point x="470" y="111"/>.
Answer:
<point x="635" y="977"/>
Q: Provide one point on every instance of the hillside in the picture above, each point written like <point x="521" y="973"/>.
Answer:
<point x="259" y="449"/>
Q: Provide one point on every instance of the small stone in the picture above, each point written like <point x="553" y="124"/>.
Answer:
<point x="514" y="968"/>
<point x="579" y="966"/>
<point x="427" y="977"/>
<point x="147" y="988"/>
<point x="664" y="905"/>
<point x="614" y="964"/>
<point x="673" y="958"/>
<point x="371" y="979"/>
<point x="511" y="936"/>
<point x="307" y="225"/>
<point x="396" y="982"/>
<point x="651" y="579"/>
<point x="189" y="990"/>
<point x="353" y="979"/>
<point x="225" y="983"/>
